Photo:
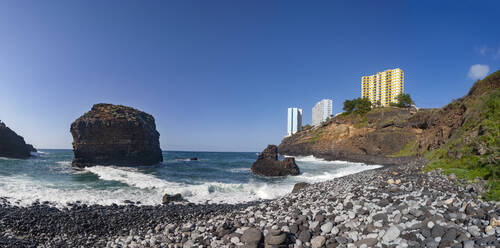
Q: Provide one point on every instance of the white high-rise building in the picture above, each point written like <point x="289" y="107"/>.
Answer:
<point x="294" y="120"/>
<point x="321" y="111"/>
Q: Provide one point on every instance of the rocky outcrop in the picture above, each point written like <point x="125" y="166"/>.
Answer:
<point x="171" y="198"/>
<point x="12" y="145"/>
<point x="372" y="138"/>
<point x="465" y="127"/>
<point x="267" y="164"/>
<point x="115" y="135"/>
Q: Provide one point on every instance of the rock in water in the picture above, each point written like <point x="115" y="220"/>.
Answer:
<point x="171" y="198"/>
<point x="115" y="135"/>
<point x="268" y="164"/>
<point x="13" y="145"/>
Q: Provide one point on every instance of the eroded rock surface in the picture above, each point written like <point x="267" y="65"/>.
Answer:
<point x="13" y="145"/>
<point x="267" y="164"/>
<point x="115" y="135"/>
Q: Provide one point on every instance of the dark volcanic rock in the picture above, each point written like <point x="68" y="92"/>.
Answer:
<point x="115" y="135"/>
<point x="171" y="198"/>
<point x="298" y="186"/>
<point x="268" y="164"/>
<point x="13" y="145"/>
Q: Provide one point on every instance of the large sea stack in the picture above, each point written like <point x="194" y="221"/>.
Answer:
<point x="267" y="164"/>
<point x="115" y="135"/>
<point x="13" y="145"/>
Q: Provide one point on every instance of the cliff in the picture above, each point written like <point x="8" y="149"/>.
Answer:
<point x="460" y="138"/>
<point x="12" y="145"/>
<point x="371" y="138"/>
<point x="115" y="135"/>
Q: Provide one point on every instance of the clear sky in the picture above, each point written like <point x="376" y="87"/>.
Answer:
<point x="220" y="75"/>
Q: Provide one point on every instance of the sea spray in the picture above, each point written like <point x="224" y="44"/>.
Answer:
<point x="215" y="177"/>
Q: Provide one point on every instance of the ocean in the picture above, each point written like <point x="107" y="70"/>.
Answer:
<point x="216" y="177"/>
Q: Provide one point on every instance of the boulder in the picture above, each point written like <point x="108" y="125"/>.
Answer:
<point x="299" y="186"/>
<point x="252" y="236"/>
<point x="171" y="198"/>
<point x="115" y="135"/>
<point x="267" y="164"/>
<point x="12" y="145"/>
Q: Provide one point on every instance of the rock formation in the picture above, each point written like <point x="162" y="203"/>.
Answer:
<point x="371" y="138"/>
<point x="115" y="135"/>
<point x="172" y="198"/>
<point x="267" y="164"/>
<point x="299" y="186"/>
<point x="465" y="127"/>
<point x="12" y="145"/>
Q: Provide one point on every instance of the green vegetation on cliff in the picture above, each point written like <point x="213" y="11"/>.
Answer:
<point x="104" y="111"/>
<point x="409" y="150"/>
<point x="473" y="149"/>
<point x="461" y="138"/>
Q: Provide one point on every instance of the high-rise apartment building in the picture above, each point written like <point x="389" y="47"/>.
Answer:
<point x="294" y="120"/>
<point x="321" y="111"/>
<point x="383" y="87"/>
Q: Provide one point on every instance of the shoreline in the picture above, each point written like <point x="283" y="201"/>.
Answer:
<point x="315" y="170"/>
<point x="364" y="209"/>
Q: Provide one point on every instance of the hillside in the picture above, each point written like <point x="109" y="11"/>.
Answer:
<point x="461" y="138"/>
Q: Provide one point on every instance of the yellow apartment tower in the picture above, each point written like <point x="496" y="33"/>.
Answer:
<point x="383" y="87"/>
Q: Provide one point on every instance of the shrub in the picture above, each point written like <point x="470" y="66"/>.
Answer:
<point x="357" y="105"/>
<point x="403" y="101"/>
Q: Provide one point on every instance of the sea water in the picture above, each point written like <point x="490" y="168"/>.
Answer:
<point x="216" y="177"/>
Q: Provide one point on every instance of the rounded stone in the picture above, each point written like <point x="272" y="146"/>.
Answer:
<point x="276" y="240"/>
<point x="430" y="224"/>
<point x="251" y="236"/>
<point x="327" y="227"/>
<point x="391" y="234"/>
<point x="305" y="236"/>
<point x="318" y="241"/>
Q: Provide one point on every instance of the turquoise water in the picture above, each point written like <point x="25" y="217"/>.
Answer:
<point x="215" y="177"/>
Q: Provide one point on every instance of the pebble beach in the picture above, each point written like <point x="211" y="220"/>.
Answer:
<point x="394" y="206"/>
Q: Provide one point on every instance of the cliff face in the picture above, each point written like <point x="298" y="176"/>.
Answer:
<point x="13" y="145"/>
<point x="371" y="138"/>
<point x="115" y="135"/>
<point x="389" y="135"/>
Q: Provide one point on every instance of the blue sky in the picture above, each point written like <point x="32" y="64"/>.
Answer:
<point x="219" y="75"/>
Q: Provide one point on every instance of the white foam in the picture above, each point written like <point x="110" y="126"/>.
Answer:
<point x="149" y="189"/>
<point x="329" y="169"/>
<point x="128" y="175"/>
<point x="201" y="192"/>
<point x="237" y="170"/>
<point x="24" y="191"/>
<point x="39" y="153"/>
<point x="314" y="178"/>
<point x="64" y="163"/>
<point x="4" y="158"/>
